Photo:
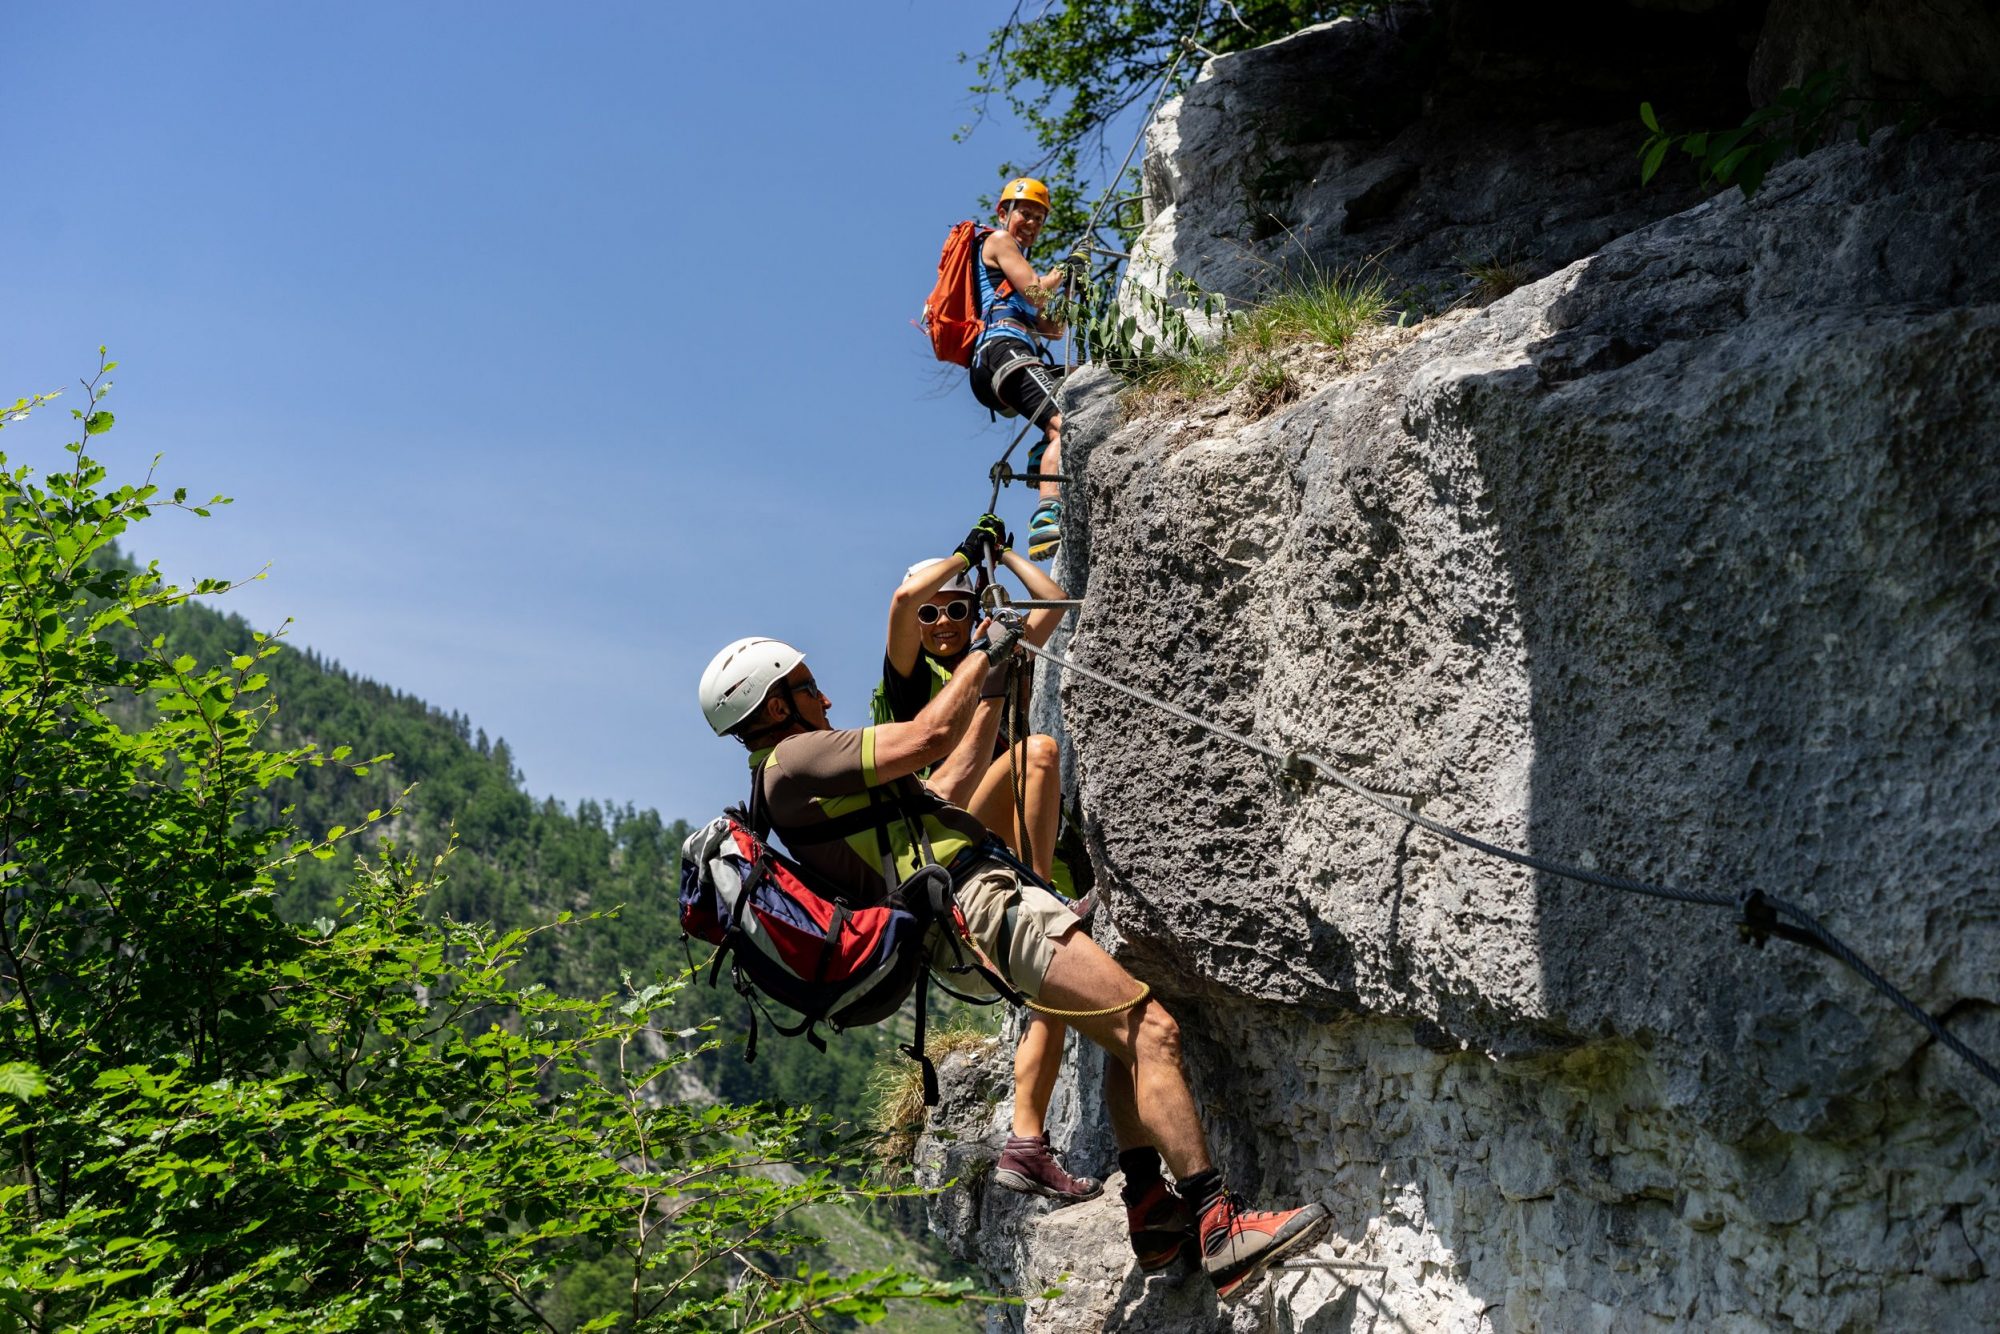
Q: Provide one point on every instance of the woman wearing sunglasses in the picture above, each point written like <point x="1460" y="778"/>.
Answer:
<point x="933" y="618"/>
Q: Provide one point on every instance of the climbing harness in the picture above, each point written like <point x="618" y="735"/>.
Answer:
<point x="1759" y="915"/>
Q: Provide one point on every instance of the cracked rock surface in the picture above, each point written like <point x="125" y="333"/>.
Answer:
<point x="1679" y="562"/>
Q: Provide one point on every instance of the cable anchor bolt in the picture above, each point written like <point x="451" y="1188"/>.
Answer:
<point x="1757" y="921"/>
<point x="1296" y="771"/>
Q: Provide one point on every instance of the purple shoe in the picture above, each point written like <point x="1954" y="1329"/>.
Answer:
<point x="1030" y="1166"/>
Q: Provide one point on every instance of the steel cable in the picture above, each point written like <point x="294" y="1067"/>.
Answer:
<point x="1291" y="763"/>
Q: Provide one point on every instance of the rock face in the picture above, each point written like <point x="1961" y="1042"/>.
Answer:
<point x="1454" y="148"/>
<point x="1681" y="562"/>
<point x="1434" y="147"/>
<point x="1950" y="55"/>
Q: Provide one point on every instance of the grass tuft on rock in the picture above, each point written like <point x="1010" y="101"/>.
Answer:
<point x="1317" y="308"/>
<point x="1495" y="278"/>
<point x="1311" y="308"/>
<point x="897" y="1112"/>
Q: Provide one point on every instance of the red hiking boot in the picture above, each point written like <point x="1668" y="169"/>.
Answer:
<point x="1030" y="1166"/>
<point x="1237" y="1244"/>
<point x="1161" y="1224"/>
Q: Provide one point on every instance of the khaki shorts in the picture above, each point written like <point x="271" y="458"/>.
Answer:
<point x="1014" y="922"/>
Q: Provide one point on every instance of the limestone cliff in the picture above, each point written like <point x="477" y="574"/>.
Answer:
<point x="1680" y="561"/>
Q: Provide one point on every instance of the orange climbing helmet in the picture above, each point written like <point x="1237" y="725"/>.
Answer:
<point x="1023" y="188"/>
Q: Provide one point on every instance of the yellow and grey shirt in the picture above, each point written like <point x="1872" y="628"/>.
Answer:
<point x="819" y="776"/>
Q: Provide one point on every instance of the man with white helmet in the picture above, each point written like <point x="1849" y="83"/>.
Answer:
<point x="761" y="692"/>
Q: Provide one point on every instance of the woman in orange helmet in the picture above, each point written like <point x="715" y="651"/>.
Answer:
<point x="1010" y="371"/>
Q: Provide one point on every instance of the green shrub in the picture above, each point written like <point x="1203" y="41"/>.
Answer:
<point x="211" y="1117"/>
<point x="1800" y="118"/>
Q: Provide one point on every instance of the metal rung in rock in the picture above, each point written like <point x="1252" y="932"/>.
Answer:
<point x="1002" y="475"/>
<point x="996" y="596"/>
<point x="1332" y="1264"/>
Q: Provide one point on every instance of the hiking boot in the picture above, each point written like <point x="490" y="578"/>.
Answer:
<point x="1029" y="1166"/>
<point x="1161" y="1224"/>
<point x="1045" y="530"/>
<point x="1237" y="1245"/>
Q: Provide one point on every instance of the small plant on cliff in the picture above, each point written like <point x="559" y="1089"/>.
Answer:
<point x="1314" y="307"/>
<point x="898" y="1114"/>
<point x="1494" y="277"/>
<point x="1174" y="314"/>
<point x="1270" y="385"/>
<point x="1799" y="119"/>
<point x="1185" y="363"/>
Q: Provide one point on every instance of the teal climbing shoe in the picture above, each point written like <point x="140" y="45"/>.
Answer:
<point x="1045" y="530"/>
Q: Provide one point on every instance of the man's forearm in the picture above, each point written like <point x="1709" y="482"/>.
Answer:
<point x="957" y="778"/>
<point x="1042" y="623"/>
<point x="953" y="706"/>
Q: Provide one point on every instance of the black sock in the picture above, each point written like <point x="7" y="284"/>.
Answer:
<point x="1198" y="1188"/>
<point x="1141" y="1167"/>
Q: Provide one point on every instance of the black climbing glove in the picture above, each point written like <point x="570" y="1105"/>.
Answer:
<point x="1003" y="634"/>
<point x="1076" y="265"/>
<point x="998" y="538"/>
<point x="988" y="535"/>
<point x="973" y="548"/>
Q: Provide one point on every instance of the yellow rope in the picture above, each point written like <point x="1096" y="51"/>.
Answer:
<point x="1052" y="1012"/>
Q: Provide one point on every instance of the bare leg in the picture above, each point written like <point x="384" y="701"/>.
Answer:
<point x="1051" y="461"/>
<point x="1126" y="1131"/>
<point x="1044" y="799"/>
<point x="1145" y="1039"/>
<point x="1037" y="1061"/>
<point x="992" y="801"/>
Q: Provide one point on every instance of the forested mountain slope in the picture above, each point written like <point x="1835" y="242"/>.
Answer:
<point x="519" y="860"/>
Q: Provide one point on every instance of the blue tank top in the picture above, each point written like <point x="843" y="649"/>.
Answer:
<point x="993" y="307"/>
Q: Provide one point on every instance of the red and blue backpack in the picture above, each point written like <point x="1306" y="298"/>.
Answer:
<point x="813" y="947"/>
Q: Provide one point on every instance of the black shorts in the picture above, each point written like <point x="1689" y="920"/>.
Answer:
<point x="1027" y="388"/>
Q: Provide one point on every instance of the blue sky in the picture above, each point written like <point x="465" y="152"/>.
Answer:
<point x="544" y="349"/>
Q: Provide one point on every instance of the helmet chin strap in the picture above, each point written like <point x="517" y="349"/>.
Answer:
<point x="798" y="718"/>
<point x="794" y="722"/>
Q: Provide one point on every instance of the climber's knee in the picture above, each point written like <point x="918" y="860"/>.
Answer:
<point x="1159" y="1035"/>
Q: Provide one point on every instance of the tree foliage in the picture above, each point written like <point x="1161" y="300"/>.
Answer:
<point x="1068" y="68"/>
<point x="1807" y="115"/>
<point x="214" y="1117"/>
<point x="517" y="859"/>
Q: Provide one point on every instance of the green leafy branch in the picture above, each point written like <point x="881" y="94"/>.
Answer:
<point x="1799" y="119"/>
<point x="1067" y="70"/>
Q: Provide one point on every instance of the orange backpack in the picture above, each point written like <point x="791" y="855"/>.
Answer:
<point x="952" y="316"/>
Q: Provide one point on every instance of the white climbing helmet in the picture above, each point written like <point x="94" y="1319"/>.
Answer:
<point x="737" y="679"/>
<point x="958" y="583"/>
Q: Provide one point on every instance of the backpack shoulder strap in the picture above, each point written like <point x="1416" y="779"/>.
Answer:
<point x="982" y="282"/>
<point x="757" y="815"/>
